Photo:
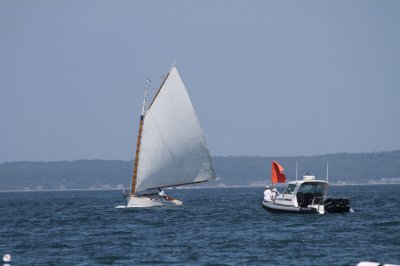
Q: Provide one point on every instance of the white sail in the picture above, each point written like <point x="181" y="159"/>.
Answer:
<point x="173" y="149"/>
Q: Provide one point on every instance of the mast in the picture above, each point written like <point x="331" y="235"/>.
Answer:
<point x="297" y="168"/>
<point x="135" y="167"/>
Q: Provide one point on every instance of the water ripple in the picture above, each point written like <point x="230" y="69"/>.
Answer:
<point x="213" y="227"/>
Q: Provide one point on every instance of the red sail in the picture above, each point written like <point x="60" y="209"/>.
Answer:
<point x="277" y="173"/>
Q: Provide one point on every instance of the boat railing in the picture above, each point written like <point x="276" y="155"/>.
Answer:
<point x="318" y="200"/>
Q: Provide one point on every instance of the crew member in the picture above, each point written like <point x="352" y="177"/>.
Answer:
<point x="274" y="194"/>
<point x="161" y="193"/>
<point x="267" y="194"/>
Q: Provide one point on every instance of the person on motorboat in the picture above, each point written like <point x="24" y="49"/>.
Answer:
<point x="267" y="194"/>
<point x="274" y="194"/>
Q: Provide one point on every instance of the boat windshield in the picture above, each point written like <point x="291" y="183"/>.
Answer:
<point x="290" y="189"/>
<point x="316" y="189"/>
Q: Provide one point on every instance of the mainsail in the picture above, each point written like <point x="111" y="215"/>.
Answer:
<point x="173" y="150"/>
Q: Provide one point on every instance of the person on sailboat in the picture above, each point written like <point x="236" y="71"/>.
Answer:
<point x="267" y="194"/>
<point x="161" y="193"/>
<point x="169" y="198"/>
<point x="274" y="194"/>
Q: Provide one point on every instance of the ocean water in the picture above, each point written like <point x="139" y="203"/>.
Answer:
<point x="224" y="226"/>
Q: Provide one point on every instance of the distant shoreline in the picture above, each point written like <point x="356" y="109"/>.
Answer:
<point x="181" y="188"/>
<point x="344" y="169"/>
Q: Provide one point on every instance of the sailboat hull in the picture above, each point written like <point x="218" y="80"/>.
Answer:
<point x="152" y="201"/>
<point x="143" y="202"/>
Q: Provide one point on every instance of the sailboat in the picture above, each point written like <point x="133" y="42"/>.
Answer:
<point x="171" y="150"/>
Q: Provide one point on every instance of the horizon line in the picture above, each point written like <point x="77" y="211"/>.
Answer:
<point x="215" y="156"/>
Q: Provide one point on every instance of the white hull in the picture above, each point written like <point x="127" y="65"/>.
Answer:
<point x="143" y="202"/>
<point x="146" y="202"/>
<point x="317" y="209"/>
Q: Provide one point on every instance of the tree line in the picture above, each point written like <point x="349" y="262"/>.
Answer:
<point x="344" y="168"/>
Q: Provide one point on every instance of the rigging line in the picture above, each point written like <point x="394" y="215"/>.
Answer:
<point x="162" y="84"/>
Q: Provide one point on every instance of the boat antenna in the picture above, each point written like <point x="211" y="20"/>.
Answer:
<point x="327" y="172"/>
<point x="297" y="169"/>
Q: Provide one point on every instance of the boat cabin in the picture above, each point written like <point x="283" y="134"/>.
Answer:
<point x="303" y="193"/>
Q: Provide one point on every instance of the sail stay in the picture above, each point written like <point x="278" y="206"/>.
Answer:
<point x="173" y="150"/>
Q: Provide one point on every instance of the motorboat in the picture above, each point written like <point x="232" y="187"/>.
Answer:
<point x="307" y="196"/>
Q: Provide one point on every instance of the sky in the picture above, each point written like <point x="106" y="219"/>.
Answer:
<point x="266" y="78"/>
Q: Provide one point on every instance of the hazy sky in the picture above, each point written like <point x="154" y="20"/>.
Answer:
<point x="269" y="78"/>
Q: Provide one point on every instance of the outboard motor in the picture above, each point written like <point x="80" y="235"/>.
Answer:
<point x="337" y="205"/>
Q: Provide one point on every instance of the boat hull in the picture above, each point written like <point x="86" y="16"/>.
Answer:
<point x="143" y="202"/>
<point x="150" y="201"/>
<point x="273" y="207"/>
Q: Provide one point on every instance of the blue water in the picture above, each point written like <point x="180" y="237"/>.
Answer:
<point x="214" y="227"/>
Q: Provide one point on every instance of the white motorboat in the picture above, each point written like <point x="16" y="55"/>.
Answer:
<point x="307" y="196"/>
